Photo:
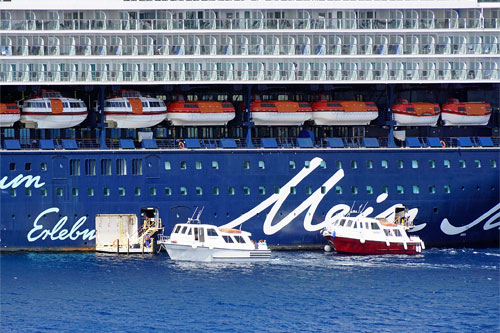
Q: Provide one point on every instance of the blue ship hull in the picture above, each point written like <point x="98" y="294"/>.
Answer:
<point x="49" y="201"/>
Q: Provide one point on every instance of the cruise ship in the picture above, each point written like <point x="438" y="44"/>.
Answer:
<point x="275" y="115"/>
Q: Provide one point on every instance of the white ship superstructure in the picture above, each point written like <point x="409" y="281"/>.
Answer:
<point x="263" y="41"/>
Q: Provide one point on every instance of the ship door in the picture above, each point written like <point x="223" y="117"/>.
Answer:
<point x="202" y="235"/>
<point x="152" y="166"/>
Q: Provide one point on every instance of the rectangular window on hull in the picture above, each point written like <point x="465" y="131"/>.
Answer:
<point x="90" y="167"/>
<point x="446" y="164"/>
<point x="354" y="164"/>
<point x="461" y="164"/>
<point x="43" y="166"/>
<point x="152" y="191"/>
<point x="416" y="189"/>
<point x="231" y="190"/>
<point x="308" y="190"/>
<point x="493" y="163"/>
<point x="74" y="167"/>
<point x="383" y="164"/>
<point x="137" y="166"/>
<point x="385" y="189"/>
<point x="246" y="190"/>
<point x="338" y="189"/>
<point x="27" y="166"/>
<point x="167" y="165"/>
<point x="90" y="192"/>
<point x="43" y="192"/>
<point x="59" y="192"/>
<point x="168" y="191"/>
<point x="27" y="192"/>
<point x="198" y="165"/>
<point x="447" y="189"/>
<point x="121" y="167"/>
<point x="246" y="165"/>
<point x="400" y="189"/>
<point x="107" y="192"/>
<point x="262" y="165"/>
<point x="215" y="190"/>
<point x="338" y="164"/>
<point x="354" y="190"/>
<point x="215" y="165"/>
<point x="414" y="164"/>
<point x="75" y="192"/>
<point x="432" y="164"/>
<point x="199" y="190"/>
<point x="369" y="189"/>
<point x="432" y="189"/>
<point x="477" y="163"/>
<point x="291" y="164"/>
<point x="369" y="164"/>
<point x="121" y="191"/>
<point x="137" y="191"/>
<point x="13" y="192"/>
<point x="262" y="190"/>
<point x="105" y="167"/>
<point x="183" y="190"/>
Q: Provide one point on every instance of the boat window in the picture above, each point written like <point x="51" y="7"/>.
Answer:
<point x="446" y="163"/>
<point x="183" y="165"/>
<point x="215" y="190"/>
<point x="477" y="163"/>
<point x="410" y="109"/>
<point x="367" y="225"/>
<point x="414" y="164"/>
<point x="211" y="232"/>
<point x="416" y="189"/>
<point x="349" y="223"/>
<point x="375" y="226"/>
<point x="400" y="164"/>
<point x="65" y="105"/>
<point x="354" y="164"/>
<point x="239" y="239"/>
<point x="342" y="222"/>
<point x="277" y="190"/>
<point x="183" y="190"/>
<point x="323" y="164"/>
<point x="461" y="108"/>
<point x="90" y="192"/>
<point x="432" y="164"/>
<point x="432" y="189"/>
<point x="246" y="190"/>
<point x="387" y="232"/>
<point x="291" y="164"/>
<point x="383" y="164"/>
<point x="199" y="190"/>
<point x="177" y="229"/>
<point x="369" y="189"/>
<point x="198" y="165"/>
<point x="361" y="225"/>
<point x="231" y="190"/>
<point x="461" y="163"/>
<point x="354" y="190"/>
<point x="228" y="239"/>
<point x="338" y="164"/>
<point x="190" y="231"/>
<point x="144" y="104"/>
<point x="246" y="165"/>
<point x="447" y="189"/>
<point x="308" y="189"/>
<point x="400" y="189"/>
<point x="168" y="191"/>
<point x="493" y="163"/>
<point x="183" y="230"/>
<point x="262" y="190"/>
<point x="262" y="165"/>
<point x="369" y="164"/>
<point x="215" y="165"/>
<point x="397" y="233"/>
<point x="355" y="225"/>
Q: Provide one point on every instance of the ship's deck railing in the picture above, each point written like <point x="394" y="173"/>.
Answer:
<point x="257" y="143"/>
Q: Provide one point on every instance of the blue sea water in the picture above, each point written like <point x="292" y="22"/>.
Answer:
<point x="442" y="290"/>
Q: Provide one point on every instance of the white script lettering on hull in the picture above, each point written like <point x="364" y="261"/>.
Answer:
<point x="19" y="180"/>
<point x="57" y="232"/>
<point x="449" y="229"/>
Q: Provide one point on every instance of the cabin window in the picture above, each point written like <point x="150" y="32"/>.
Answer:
<point x="477" y="163"/>
<point x="239" y="239"/>
<point x="183" y="231"/>
<point x="90" y="167"/>
<point x="369" y="189"/>
<point x="74" y="191"/>
<point x="183" y="165"/>
<point x="215" y="190"/>
<point x="354" y="164"/>
<point x="106" y="192"/>
<point x="121" y="191"/>
<point x="308" y="190"/>
<point x="338" y="189"/>
<point x="323" y="164"/>
<point x="199" y="190"/>
<point x="291" y="164"/>
<point x="447" y="189"/>
<point x="361" y="225"/>
<point x="177" y="229"/>
<point x="338" y="164"/>
<point x="12" y="166"/>
<point x="262" y="165"/>
<point x="276" y="190"/>
<point x="228" y="239"/>
<point x="432" y="164"/>
<point x="400" y="164"/>
<point x="190" y="231"/>
<point x="59" y="192"/>
<point x="13" y="192"/>
<point x="414" y="164"/>
<point x="262" y="190"/>
<point x="342" y="222"/>
<point x="211" y="232"/>
<point x="137" y="166"/>
<point x="293" y="190"/>
<point x="307" y="164"/>
<point x="105" y="167"/>
<point x="246" y="190"/>
<point x="215" y="165"/>
<point x="493" y="163"/>
<point x="27" y="166"/>
<point x="387" y="232"/>
<point x="168" y="191"/>
<point x="400" y="189"/>
<point x="369" y="164"/>
<point x="354" y="190"/>
<point x="416" y="189"/>
<point x="446" y="163"/>
<point x="385" y="189"/>
<point x="367" y="225"/>
<point x="397" y="233"/>
<point x="137" y="191"/>
<point x="74" y="167"/>
<point x="198" y="165"/>
<point x="90" y="192"/>
<point x="27" y="192"/>
<point x="43" y="167"/>
<point x="355" y="225"/>
<point x="183" y="190"/>
<point x="246" y="165"/>
<point x="231" y="190"/>
<point x="121" y="167"/>
<point x="168" y="166"/>
<point x="152" y="191"/>
<point x="383" y="164"/>
<point x="349" y="223"/>
<point x="432" y="189"/>
<point x="375" y="226"/>
<point x="461" y="164"/>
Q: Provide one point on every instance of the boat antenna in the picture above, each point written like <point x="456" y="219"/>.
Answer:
<point x="199" y="214"/>
<point x="362" y="210"/>
<point x="352" y="207"/>
<point x="191" y="219"/>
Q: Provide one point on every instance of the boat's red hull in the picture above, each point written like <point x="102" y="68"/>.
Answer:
<point x="354" y="246"/>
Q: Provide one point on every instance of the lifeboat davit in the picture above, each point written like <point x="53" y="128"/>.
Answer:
<point x="279" y="113"/>
<point x="52" y="110"/>
<point x="9" y="114"/>
<point x="132" y="110"/>
<point x="456" y="113"/>
<point x="200" y="113"/>
<point x="415" y="114"/>
<point x="326" y="112"/>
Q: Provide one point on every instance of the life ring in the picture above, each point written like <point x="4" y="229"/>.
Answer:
<point x="181" y="145"/>
<point x="443" y="144"/>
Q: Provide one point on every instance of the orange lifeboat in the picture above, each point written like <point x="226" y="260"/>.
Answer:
<point x="456" y="113"/>
<point x="415" y="114"/>
<point x="326" y="112"/>
<point x="9" y="114"/>
<point x="52" y="110"/>
<point x="279" y="113"/>
<point x="132" y="110"/>
<point x="200" y="113"/>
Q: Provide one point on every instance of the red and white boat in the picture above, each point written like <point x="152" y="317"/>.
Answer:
<point x="279" y="113"/>
<point x="325" y="112"/>
<point x="9" y="114"/>
<point x="456" y="113"/>
<point x="52" y="110"/>
<point x="416" y="113"/>
<point x="132" y="110"/>
<point x="200" y="113"/>
<point x="365" y="235"/>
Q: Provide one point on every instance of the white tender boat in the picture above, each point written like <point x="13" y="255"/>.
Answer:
<point x="205" y="242"/>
